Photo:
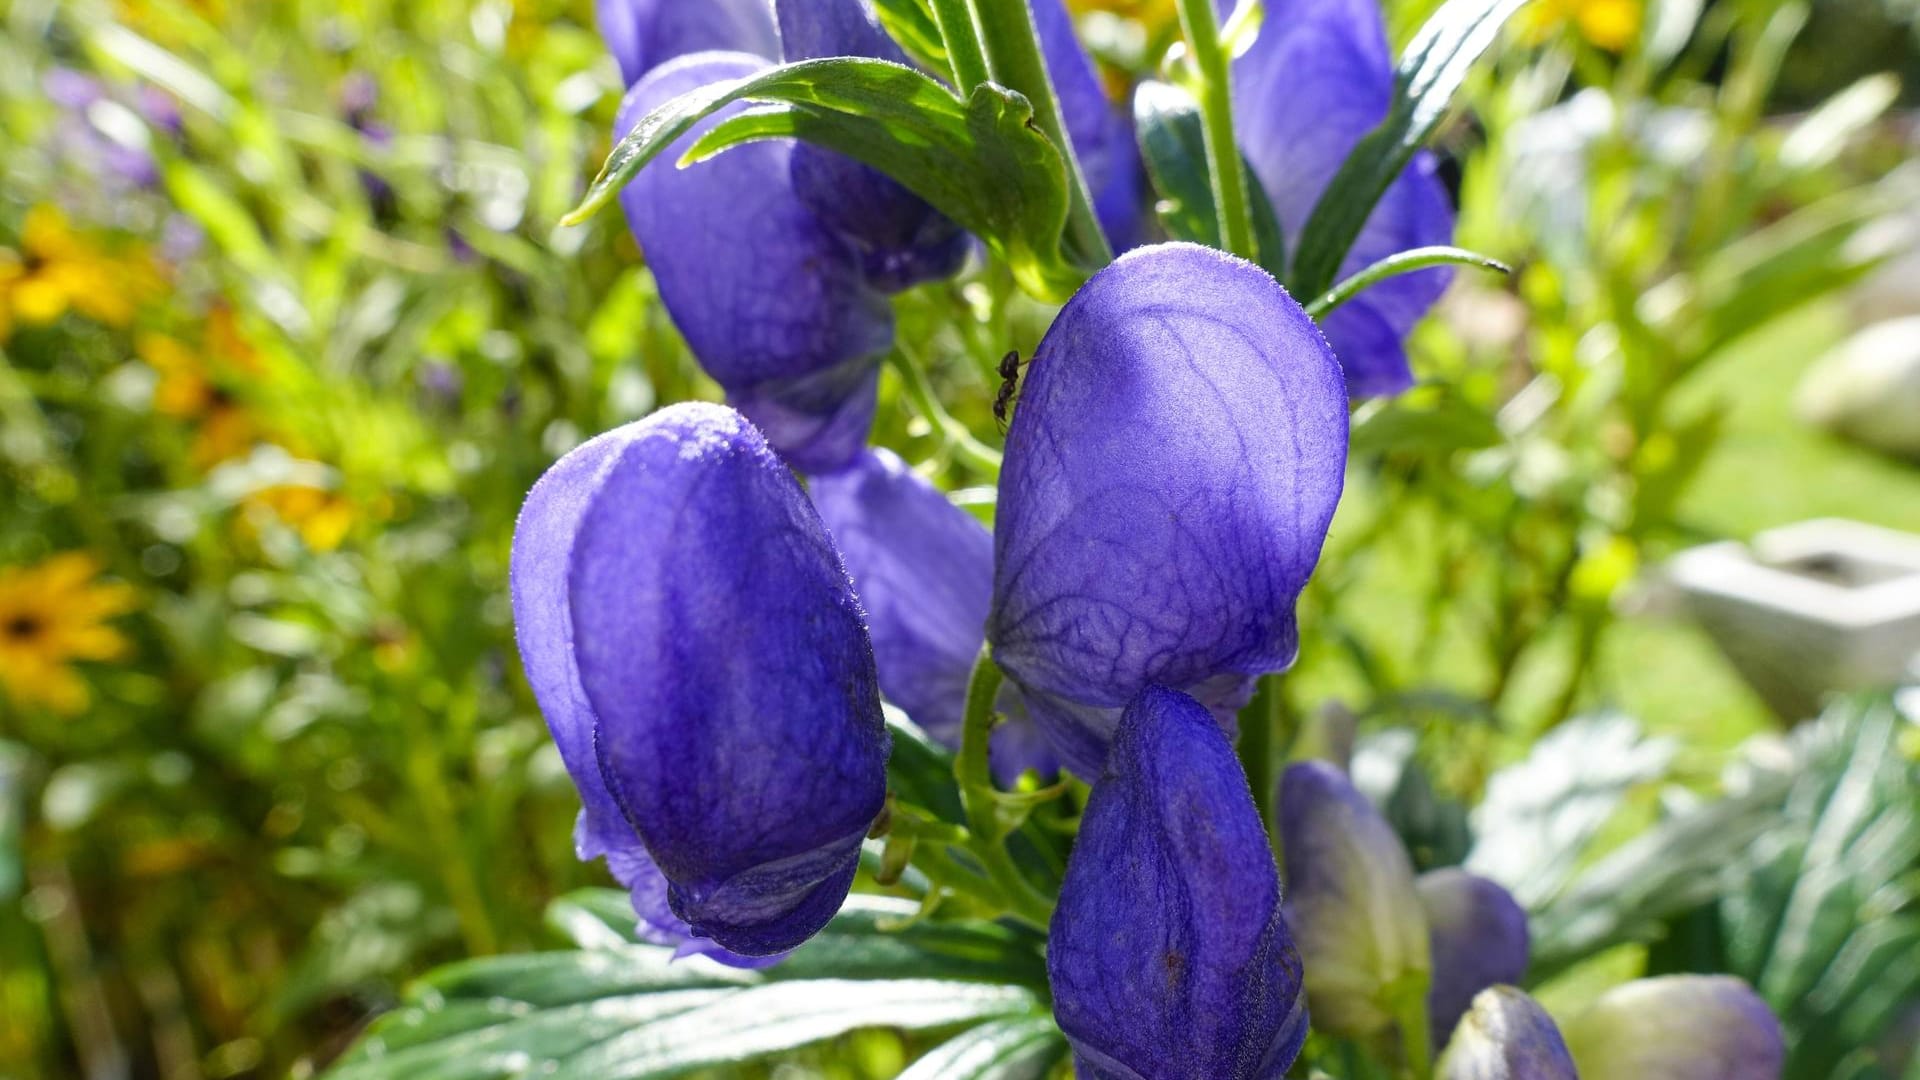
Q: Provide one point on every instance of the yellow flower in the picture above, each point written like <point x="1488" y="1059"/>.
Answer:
<point x="51" y="615"/>
<point x="322" y="518"/>
<point x="57" y="270"/>
<point x="1609" y="24"/>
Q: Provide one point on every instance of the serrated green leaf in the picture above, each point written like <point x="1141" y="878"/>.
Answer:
<point x="1022" y="1048"/>
<point x="1431" y="70"/>
<point x="1172" y="138"/>
<point x="979" y="161"/>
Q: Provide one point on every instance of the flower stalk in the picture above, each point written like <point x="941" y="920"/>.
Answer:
<point x="957" y="33"/>
<point x="1213" y="88"/>
<point x="1012" y="48"/>
<point x="986" y="834"/>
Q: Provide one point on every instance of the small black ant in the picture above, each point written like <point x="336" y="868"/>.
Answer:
<point x="1009" y="383"/>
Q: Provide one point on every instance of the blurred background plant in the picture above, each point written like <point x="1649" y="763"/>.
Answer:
<point x="287" y="328"/>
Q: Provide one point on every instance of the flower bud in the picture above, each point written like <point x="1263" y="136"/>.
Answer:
<point x="923" y="568"/>
<point x="902" y="240"/>
<point x="1477" y="938"/>
<point x="1168" y="955"/>
<point x="643" y="34"/>
<point x="1316" y="80"/>
<point x="1171" y="469"/>
<point x="771" y="301"/>
<point x="1351" y="901"/>
<point x="1506" y="1036"/>
<point x="1678" y="1027"/>
<point x="697" y="650"/>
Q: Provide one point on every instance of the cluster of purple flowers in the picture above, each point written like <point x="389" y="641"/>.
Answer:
<point x="710" y="642"/>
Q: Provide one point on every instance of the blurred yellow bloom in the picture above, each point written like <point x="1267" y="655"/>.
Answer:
<point x="57" y="270"/>
<point x="194" y="386"/>
<point x="1151" y="12"/>
<point x="52" y="614"/>
<point x="322" y="518"/>
<point x="1609" y="24"/>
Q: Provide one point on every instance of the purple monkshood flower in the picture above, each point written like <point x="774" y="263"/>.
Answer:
<point x="698" y="652"/>
<point x="923" y="568"/>
<point x="1351" y="898"/>
<point x="771" y="301"/>
<point x="1477" y="934"/>
<point x="1678" y="1027"/>
<point x="644" y="34"/>
<point x="1506" y="1035"/>
<point x="1170" y="474"/>
<point x="1317" y="79"/>
<point x="1168" y="955"/>
<point x="902" y="240"/>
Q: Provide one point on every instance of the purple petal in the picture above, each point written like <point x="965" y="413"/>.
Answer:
<point x="1168" y="955"/>
<point x="923" y="568"/>
<point x="771" y="301"/>
<point x="1478" y="938"/>
<point x="1350" y="898"/>
<point x="686" y="621"/>
<point x="1317" y="79"/>
<point x="1678" y="1027"/>
<point x="1101" y="132"/>
<point x="1506" y="1036"/>
<point x="644" y="34"/>
<point x="1176" y="457"/>
<point x="902" y="240"/>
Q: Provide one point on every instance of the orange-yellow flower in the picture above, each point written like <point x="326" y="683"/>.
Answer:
<point x="57" y="270"/>
<point x="193" y="388"/>
<point x="53" y="614"/>
<point x="1609" y="24"/>
<point x="321" y="517"/>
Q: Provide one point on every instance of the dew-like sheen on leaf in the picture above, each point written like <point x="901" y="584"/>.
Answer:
<point x="1168" y="955"/>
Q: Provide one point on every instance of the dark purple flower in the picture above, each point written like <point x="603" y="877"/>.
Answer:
<point x="772" y="302"/>
<point x="1168" y="955"/>
<point x="1350" y="898"/>
<point x="644" y="34"/>
<point x="902" y="240"/>
<point x="697" y="649"/>
<point x="1317" y="79"/>
<point x="1678" y="1027"/>
<point x="1101" y="132"/>
<point x="1171" y="470"/>
<point x="923" y="568"/>
<point x="1506" y="1036"/>
<point x="1477" y="934"/>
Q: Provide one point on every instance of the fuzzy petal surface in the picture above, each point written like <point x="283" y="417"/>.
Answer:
<point x="1477" y="934"/>
<point x="731" y="727"/>
<point x="1177" y="453"/>
<point x="1506" y="1035"/>
<point x="1168" y="955"/>
<point x="772" y="302"/>
<point x="643" y="34"/>
<point x="1678" y="1027"/>
<point x="1317" y="79"/>
<point x="1350" y="899"/>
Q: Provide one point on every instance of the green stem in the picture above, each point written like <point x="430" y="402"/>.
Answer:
<point x="957" y="32"/>
<point x="954" y="434"/>
<point x="973" y="769"/>
<point x="1402" y="262"/>
<point x="1416" y="1043"/>
<point x="1214" y="90"/>
<point x="1015" y="62"/>
<point x="1256" y="746"/>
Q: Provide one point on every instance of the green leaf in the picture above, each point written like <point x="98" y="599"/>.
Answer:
<point x="1401" y="262"/>
<point x="920" y="770"/>
<point x="1432" y="69"/>
<point x="617" y="1008"/>
<point x="1022" y="1048"/>
<point x="1825" y="921"/>
<point x="1412" y="423"/>
<point x="911" y="24"/>
<point x="1172" y="138"/>
<point x="1539" y="816"/>
<point x="979" y="161"/>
